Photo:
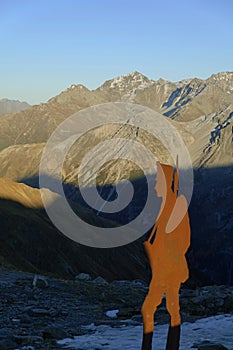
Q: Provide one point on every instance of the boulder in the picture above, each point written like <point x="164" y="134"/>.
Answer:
<point x="100" y="280"/>
<point x="83" y="277"/>
<point x="52" y="332"/>
<point x="40" y="282"/>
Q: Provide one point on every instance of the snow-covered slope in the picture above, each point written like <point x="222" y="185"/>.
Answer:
<point x="215" y="329"/>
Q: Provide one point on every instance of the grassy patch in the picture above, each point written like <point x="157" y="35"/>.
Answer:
<point x="3" y="145"/>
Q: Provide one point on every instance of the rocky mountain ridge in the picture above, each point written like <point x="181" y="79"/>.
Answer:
<point x="12" y="106"/>
<point x="184" y="101"/>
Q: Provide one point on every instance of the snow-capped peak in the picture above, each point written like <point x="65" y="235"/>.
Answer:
<point x="222" y="76"/>
<point x="130" y="80"/>
<point x="223" y="79"/>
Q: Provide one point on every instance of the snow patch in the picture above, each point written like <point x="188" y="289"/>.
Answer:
<point x="130" y="80"/>
<point x="112" y="313"/>
<point x="215" y="329"/>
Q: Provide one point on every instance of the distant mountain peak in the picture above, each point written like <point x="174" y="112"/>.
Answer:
<point x="77" y="87"/>
<point x="224" y="80"/>
<point x="74" y="90"/>
<point x="129" y="81"/>
<point x="133" y="76"/>
<point x="185" y="81"/>
<point x="11" y="106"/>
<point x="222" y="76"/>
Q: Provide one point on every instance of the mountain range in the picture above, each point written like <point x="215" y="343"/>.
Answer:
<point x="11" y="106"/>
<point x="201" y="110"/>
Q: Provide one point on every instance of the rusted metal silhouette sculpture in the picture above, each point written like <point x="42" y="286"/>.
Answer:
<point x="166" y="248"/>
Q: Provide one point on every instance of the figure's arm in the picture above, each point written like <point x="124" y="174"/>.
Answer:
<point x="184" y="241"/>
<point x="179" y="211"/>
<point x="179" y="220"/>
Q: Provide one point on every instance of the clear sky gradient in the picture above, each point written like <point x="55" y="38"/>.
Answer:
<point x="47" y="45"/>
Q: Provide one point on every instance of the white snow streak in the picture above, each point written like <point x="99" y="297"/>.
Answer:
<point x="218" y="329"/>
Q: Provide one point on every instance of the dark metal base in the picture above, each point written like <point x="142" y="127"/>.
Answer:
<point x="147" y="341"/>
<point x="173" y="338"/>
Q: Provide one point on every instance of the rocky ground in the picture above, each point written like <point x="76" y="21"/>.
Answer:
<point x="36" y="311"/>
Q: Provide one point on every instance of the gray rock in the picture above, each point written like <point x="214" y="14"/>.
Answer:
<point x="40" y="282"/>
<point x="137" y="318"/>
<point x="128" y="312"/>
<point x="219" y="302"/>
<point x="53" y="313"/>
<point x="27" y="339"/>
<point x="189" y="293"/>
<point x="38" y="312"/>
<point x="55" y="333"/>
<point x="25" y="319"/>
<point x="100" y="280"/>
<point x="64" y="313"/>
<point x="121" y="282"/>
<point x="15" y="320"/>
<point x="4" y="284"/>
<point x="198" y="300"/>
<point x="83" y="277"/>
<point x="139" y="283"/>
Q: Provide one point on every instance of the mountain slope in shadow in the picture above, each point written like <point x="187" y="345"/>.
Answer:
<point x="29" y="241"/>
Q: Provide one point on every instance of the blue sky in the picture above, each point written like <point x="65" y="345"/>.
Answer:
<point x="47" y="45"/>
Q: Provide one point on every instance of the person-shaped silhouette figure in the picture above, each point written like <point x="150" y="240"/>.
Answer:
<point x="166" y="248"/>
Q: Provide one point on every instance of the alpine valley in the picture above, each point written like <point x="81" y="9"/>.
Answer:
<point x="201" y="110"/>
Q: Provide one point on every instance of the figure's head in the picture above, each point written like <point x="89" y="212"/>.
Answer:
<point x="166" y="181"/>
